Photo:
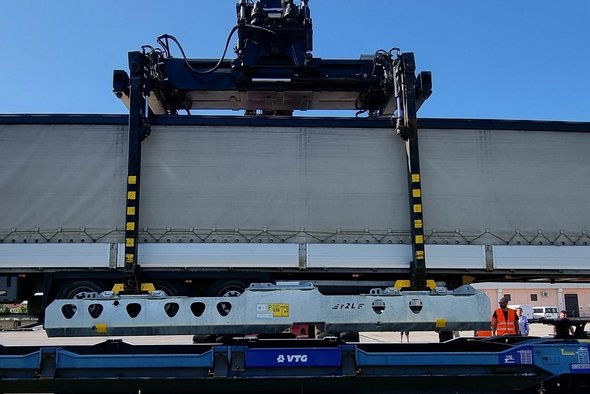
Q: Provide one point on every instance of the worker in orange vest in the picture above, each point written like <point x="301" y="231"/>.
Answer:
<point x="504" y="320"/>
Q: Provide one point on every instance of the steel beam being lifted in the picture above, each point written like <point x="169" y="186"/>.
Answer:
<point x="270" y="309"/>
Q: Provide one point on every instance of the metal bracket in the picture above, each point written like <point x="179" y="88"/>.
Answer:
<point x="47" y="363"/>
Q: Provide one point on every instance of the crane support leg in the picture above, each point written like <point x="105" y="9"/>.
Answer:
<point x="407" y="128"/>
<point x="138" y="130"/>
<point x="418" y="265"/>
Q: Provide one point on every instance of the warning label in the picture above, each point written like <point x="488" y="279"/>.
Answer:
<point x="279" y="310"/>
<point x="268" y="311"/>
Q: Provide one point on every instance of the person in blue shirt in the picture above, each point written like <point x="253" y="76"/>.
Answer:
<point x="523" y="322"/>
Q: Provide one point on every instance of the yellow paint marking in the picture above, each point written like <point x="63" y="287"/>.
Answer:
<point x="441" y="323"/>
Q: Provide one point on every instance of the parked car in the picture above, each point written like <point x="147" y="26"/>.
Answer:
<point x="545" y="312"/>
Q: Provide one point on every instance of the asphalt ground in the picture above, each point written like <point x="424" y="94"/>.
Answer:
<point x="38" y="337"/>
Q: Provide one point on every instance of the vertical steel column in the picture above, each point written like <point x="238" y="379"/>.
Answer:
<point x="407" y="128"/>
<point x="137" y="132"/>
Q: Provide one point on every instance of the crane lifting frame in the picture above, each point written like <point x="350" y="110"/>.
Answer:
<point x="385" y="85"/>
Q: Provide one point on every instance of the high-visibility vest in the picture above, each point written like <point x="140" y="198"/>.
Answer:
<point x="506" y="326"/>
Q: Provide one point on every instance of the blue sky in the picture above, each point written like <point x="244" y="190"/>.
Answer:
<point x="503" y="59"/>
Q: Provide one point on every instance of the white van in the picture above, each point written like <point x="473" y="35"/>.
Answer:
<point x="527" y="310"/>
<point x="545" y="312"/>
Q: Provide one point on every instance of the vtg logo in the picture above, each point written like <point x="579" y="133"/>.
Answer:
<point x="292" y="358"/>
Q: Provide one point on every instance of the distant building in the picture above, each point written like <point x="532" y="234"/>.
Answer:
<point x="572" y="297"/>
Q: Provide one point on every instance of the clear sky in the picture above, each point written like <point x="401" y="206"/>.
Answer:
<point x="501" y="59"/>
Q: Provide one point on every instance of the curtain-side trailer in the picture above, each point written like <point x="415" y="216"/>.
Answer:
<point x="230" y="201"/>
